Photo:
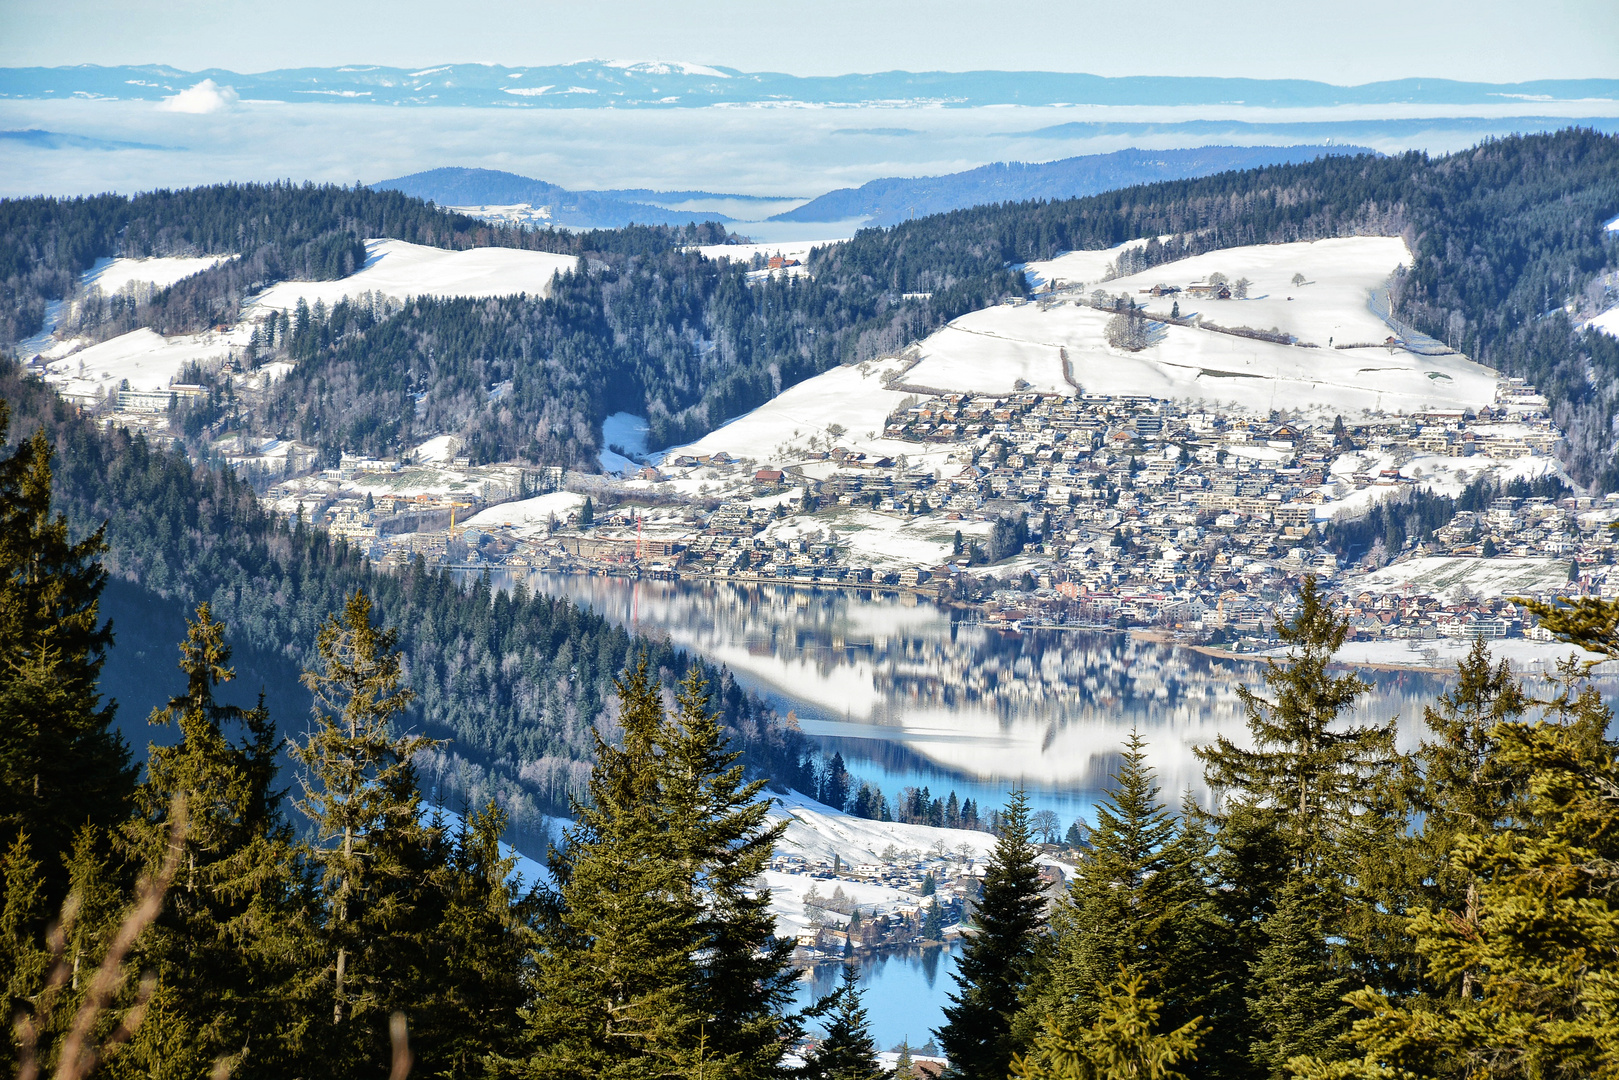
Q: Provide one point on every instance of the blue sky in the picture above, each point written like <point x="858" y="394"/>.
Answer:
<point x="1336" y="41"/>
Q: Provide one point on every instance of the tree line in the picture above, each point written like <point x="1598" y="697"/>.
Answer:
<point x="171" y="921"/>
<point x="517" y="682"/>
<point x="1345" y="910"/>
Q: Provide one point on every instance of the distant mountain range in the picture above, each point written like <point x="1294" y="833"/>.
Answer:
<point x="880" y="202"/>
<point x="619" y="84"/>
<point x="884" y="202"/>
<point x="578" y="209"/>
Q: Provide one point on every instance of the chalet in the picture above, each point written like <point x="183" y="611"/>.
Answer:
<point x="1284" y="436"/>
<point x="1203" y="290"/>
<point x="782" y="262"/>
<point x="768" y="476"/>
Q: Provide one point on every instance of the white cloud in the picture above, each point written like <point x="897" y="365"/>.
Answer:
<point x="206" y="97"/>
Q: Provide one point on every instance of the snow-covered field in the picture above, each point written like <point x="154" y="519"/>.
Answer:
<point x="628" y="433"/>
<point x="990" y="351"/>
<point x="440" y="448"/>
<point x="888" y="542"/>
<point x="146" y="358"/>
<point x="1451" y="577"/>
<point x="790" y="249"/>
<point x="1607" y="322"/>
<point x="1431" y="472"/>
<point x="529" y="516"/>
<point x="852" y="399"/>
<point x="1076" y="267"/>
<point x="113" y="275"/>
<point x="395" y="268"/>
<point x="816" y="831"/>
<point x="1526" y="657"/>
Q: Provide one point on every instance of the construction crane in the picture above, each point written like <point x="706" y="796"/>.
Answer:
<point x="453" y="507"/>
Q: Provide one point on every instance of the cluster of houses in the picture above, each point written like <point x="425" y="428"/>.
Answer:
<point x="1135" y="511"/>
<point x="1143" y="512"/>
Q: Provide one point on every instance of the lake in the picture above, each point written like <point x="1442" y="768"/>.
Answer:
<point x="903" y="991"/>
<point x="911" y="693"/>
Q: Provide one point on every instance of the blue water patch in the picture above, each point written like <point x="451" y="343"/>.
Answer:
<point x="904" y="991"/>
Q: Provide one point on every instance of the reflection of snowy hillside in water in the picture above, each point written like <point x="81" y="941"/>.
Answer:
<point x="897" y="682"/>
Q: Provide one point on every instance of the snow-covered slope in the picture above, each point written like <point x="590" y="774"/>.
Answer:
<point x="1452" y="577"/>
<point x="1075" y="267"/>
<point x="816" y="831"/>
<point x="850" y="398"/>
<point x="990" y="351"/>
<point x="396" y="268"/>
<point x="790" y="249"/>
<point x="146" y="358"/>
<point x="393" y="268"/>
<point x="112" y="275"/>
<point x="1607" y="322"/>
<point x="528" y="516"/>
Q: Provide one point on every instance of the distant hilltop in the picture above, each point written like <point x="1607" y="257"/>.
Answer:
<point x="660" y="84"/>
<point x="497" y="195"/>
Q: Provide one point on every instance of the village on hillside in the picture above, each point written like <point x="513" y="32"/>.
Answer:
<point x="1097" y="456"/>
<point x="1046" y="510"/>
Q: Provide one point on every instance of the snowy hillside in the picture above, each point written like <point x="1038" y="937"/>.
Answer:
<point x="393" y="268"/>
<point x="1453" y="578"/>
<point x="114" y="275"/>
<point x="528" y="517"/>
<point x="146" y="358"/>
<point x="398" y="269"/>
<point x="816" y="831"/>
<point x="789" y="249"/>
<point x="992" y="350"/>
<point x="847" y="405"/>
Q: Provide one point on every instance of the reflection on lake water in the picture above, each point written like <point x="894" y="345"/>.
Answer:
<point x="912" y="693"/>
<point x="903" y="990"/>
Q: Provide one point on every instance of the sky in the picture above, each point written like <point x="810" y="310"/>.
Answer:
<point x="1333" y="41"/>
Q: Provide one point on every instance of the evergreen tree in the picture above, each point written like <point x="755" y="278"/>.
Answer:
<point x="724" y="842"/>
<point x="1307" y="815"/>
<point x="835" y="785"/>
<point x="1136" y="907"/>
<point x="61" y="763"/>
<point x="904" y="1066"/>
<point x="1308" y="773"/>
<point x="1466" y="788"/>
<point x="474" y="987"/>
<point x="374" y="854"/>
<point x="1294" y="994"/>
<point x="1531" y="968"/>
<point x="233" y="936"/>
<point x="654" y="959"/>
<point x="995" y="963"/>
<point x="1125" y="1042"/>
<point x="23" y="958"/>
<point x="847" y="1052"/>
<point x="932" y="922"/>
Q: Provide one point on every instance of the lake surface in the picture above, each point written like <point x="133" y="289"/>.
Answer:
<point x="914" y="694"/>
<point x="903" y="991"/>
<point x="911" y="693"/>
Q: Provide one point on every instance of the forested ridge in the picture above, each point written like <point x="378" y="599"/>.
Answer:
<point x="1344" y="910"/>
<point x="1508" y="237"/>
<point x="516" y="682"/>
<point x="276" y="232"/>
